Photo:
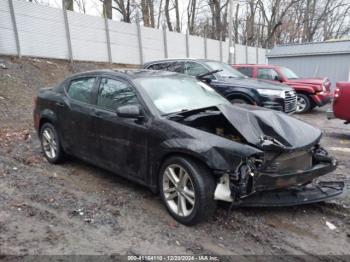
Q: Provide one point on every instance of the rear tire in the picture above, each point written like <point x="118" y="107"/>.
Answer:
<point x="303" y="104"/>
<point x="50" y="144"/>
<point x="187" y="189"/>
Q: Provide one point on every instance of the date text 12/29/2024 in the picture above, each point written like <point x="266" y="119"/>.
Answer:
<point x="173" y="258"/>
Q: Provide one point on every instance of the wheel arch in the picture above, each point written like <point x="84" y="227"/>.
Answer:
<point x="186" y="154"/>
<point x="240" y="95"/>
<point x="46" y="116"/>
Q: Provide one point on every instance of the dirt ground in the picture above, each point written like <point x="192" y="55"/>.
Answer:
<point x="76" y="208"/>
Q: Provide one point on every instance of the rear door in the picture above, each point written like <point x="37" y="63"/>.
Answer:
<point x="74" y="115"/>
<point x="122" y="142"/>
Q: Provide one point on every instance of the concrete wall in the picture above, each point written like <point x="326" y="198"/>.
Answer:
<point x="336" y="67"/>
<point x="45" y="32"/>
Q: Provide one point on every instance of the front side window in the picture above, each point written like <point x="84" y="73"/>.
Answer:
<point x="179" y="93"/>
<point x="267" y="73"/>
<point x="81" y="89"/>
<point x="114" y="93"/>
<point x="226" y="71"/>
<point x="194" y="69"/>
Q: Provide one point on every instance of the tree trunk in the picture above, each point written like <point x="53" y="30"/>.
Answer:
<point x="167" y="15"/>
<point x="107" y="9"/>
<point x="177" y="15"/>
<point x="145" y="13"/>
<point x="68" y="5"/>
<point x="151" y="13"/>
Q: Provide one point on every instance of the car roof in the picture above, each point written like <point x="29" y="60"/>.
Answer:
<point x="179" y="59"/>
<point x="255" y="65"/>
<point x="126" y="73"/>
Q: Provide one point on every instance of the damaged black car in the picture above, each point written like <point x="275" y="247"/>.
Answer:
<point x="177" y="136"/>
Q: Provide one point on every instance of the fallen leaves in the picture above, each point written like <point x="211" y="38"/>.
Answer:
<point x="7" y="136"/>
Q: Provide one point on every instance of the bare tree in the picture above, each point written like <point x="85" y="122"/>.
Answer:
<point x="107" y="9"/>
<point x="68" y="5"/>
<point x="167" y="15"/>
<point x="191" y="15"/>
<point x="124" y="8"/>
<point x="218" y="10"/>
<point x="147" y="9"/>
<point x="274" y="11"/>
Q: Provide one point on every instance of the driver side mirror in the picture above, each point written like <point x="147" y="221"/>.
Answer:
<point x="207" y="79"/>
<point x="277" y="78"/>
<point x="129" y="111"/>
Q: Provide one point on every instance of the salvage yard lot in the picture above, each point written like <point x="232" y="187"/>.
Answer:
<point x="76" y="208"/>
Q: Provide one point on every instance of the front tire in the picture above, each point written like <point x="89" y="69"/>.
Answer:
<point x="303" y="104"/>
<point x="50" y="144"/>
<point x="187" y="190"/>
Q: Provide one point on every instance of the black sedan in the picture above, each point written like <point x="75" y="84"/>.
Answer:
<point x="177" y="136"/>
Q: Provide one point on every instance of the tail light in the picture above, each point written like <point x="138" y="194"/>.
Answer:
<point x="336" y="94"/>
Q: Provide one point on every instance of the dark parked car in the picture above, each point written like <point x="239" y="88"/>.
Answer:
<point x="232" y="84"/>
<point x="177" y="136"/>
<point x="311" y="92"/>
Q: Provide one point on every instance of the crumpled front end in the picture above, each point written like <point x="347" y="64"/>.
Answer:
<point x="287" y="155"/>
<point x="286" y="179"/>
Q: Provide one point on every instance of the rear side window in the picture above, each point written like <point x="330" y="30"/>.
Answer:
<point x="114" y="93"/>
<point x="248" y="71"/>
<point x="81" y="89"/>
<point x="168" y="66"/>
<point x="160" y="66"/>
<point x="267" y="73"/>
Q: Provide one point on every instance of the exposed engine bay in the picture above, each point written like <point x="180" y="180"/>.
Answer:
<point x="283" y="166"/>
<point x="213" y="122"/>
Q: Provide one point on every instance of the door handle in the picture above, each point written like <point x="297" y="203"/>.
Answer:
<point x="60" y="104"/>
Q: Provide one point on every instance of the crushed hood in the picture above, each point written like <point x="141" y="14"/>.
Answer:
<point x="266" y="129"/>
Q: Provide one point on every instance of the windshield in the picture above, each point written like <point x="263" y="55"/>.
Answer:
<point x="288" y="73"/>
<point x="227" y="70"/>
<point x="179" y="93"/>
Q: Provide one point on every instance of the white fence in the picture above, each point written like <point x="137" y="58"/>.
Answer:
<point x="29" y="29"/>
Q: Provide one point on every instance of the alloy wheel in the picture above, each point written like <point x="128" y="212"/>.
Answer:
<point x="178" y="190"/>
<point x="301" y="104"/>
<point x="49" y="143"/>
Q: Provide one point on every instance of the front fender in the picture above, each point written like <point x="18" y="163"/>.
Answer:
<point x="220" y="157"/>
<point x="49" y="115"/>
<point x="301" y="88"/>
<point x="230" y="91"/>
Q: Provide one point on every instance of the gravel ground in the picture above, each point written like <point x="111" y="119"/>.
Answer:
<point x="76" y="208"/>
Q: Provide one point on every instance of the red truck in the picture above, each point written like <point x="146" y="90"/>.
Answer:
<point x="341" y="102"/>
<point x="311" y="92"/>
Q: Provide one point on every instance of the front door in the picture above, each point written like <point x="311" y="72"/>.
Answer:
<point x="122" y="141"/>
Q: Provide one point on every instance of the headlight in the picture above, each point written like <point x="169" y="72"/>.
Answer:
<point x="271" y="92"/>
